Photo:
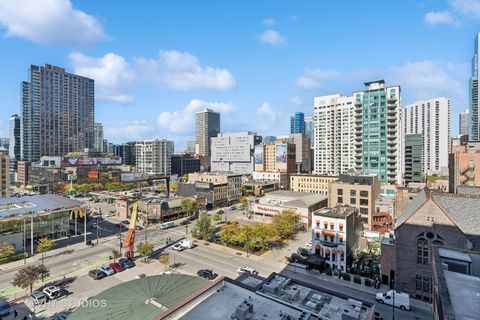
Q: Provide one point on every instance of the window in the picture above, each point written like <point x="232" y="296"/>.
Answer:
<point x="364" y="202"/>
<point x="422" y="251"/>
<point x="363" y="193"/>
<point x="418" y="282"/>
<point x="364" y="210"/>
<point x="340" y="199"/>
<point x="353" y="201"/>
<point x="353" y="193"/>
<point x="318" y="224"/>
<point x="340" y="228"/>
<point x="340" y="192"/>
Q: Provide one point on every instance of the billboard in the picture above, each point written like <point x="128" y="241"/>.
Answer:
<point x="258" y="154"/>
<point x="93" y="174"/>
<point x="281" y="153"/>
<point x="89" y="161"/>
<point x="134" y="177"/>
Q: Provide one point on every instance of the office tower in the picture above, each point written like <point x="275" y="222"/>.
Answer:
<point x="105" y="146"/>
<point x="118" y="150"/>
<point x="4" y="176"/>
<point x="297" y="123"/>
<point x="190" y="147"/>
<point x="128" y="153"/>
<point x="57" y="113"/>
<point x="463" y="122"/>
<point x="302" y="152"/>
<point x="378" y="134"/>
<point x="154" y="156"/>
<point x="277" y="156"/>
<point x="15" y="139"/>
<point x="474" y="129"/>
<point x="431" y="118"/>
<point x="98" y="137"/>
<point x="413" y="160"/>
<point x="207" y="126"/>
<point x="334" y="147"/>
<point x="234" y="152"/>
<point x="309" y="128"/>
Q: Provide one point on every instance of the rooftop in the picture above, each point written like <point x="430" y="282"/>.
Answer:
<point x="339" y="212"/>
<point x="475" y="191"/>
<point x="292" y="198"/>
<point x="35" y="204"/>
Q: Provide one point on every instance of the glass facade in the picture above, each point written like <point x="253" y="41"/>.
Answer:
<point x="297" y="123"/>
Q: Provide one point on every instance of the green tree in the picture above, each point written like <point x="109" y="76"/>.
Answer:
<point x="203" y="229"/>
<point x="145" y="249"/>
<point x="229" y="233"/>
<point x="6" y="249"/>
<point x="286" y="224"/>
<point x="165" y="260"/>
<point x="116" y="254"/>
<point x="174" y="186"/>
<point x="216" y="217"/>
<point x="44" y="244"/>
<point x="189" y="206"/>
<point x="265" y="235"/>
<point x="26" y="276"/>
<point x="185" y="177"/>
<point x="244" y="201"/>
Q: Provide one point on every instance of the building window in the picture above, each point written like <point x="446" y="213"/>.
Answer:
<point x="363" y="193"/>
<point x="340" y="228"/>
<point x="340" y="192"/>
<point x="422" y="251"/>
<point x="353" y="193"/>
<point x="418" y="282"/>
<point x="353" y="201"/>
<point x="364" y="210"/>
<point x="364" y="202"/>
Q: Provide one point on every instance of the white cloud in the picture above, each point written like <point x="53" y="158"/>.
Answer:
<point x="296" y="101"/>
<point x="49" y="22"/>
<point x="314" y="78"/>
<point x="128" y="131"/>
<point x="440" y="17"/>
<point x="265" y="111"/>
<point x="183" y="121"/>
<point x="269" y="22"/>
<point x="467" y="7"/>
<point x="273" y="38"/>
<point x="182" y="71"/>
<point x="112" y="74"/>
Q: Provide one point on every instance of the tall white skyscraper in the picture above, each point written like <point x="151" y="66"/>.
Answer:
<point x="334" y="134"/>
<point x="431" y="118"/>
<point x="207" y="126"/>
<point x="234" y="152"/>
<point x="474" y="130"/>
<point x="154" y="156"/>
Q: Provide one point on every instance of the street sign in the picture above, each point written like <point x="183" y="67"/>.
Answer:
<point x="72" y="176"/>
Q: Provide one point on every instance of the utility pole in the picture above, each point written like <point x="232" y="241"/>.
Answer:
<point x="96" y="220"/>
<point x="120" y="236"/>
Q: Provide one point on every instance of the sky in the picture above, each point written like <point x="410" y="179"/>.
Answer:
<point x="155" y="63"/>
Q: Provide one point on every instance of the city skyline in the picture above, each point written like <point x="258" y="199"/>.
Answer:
<point x="141" y="92"/>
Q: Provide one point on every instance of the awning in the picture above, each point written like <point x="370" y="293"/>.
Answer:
<point x="154" y="218"/>
<point x="329" y="232"/>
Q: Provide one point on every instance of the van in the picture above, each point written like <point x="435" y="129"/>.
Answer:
<point x="187" y="244"/>
<point x="167" y="225"/>
<point x="401" y="300"/>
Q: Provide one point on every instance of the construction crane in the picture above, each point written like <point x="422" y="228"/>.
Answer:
<point x="130" y="238"/>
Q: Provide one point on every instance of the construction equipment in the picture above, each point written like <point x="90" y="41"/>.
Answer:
<point x="130" y="238"/>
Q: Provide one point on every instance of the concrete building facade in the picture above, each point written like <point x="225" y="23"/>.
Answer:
<point x="431" y="118"/>
<point x="154" y="156"/>
<point x="98" y="137"/>
<point x="311" y="183"/>
<point x="474" y="92"/>
<point x="334" y="133"/>
<point x="281" y="178"/>
<point x="413" y="160"/>
<point x="4" y="176"/>
<point x="464" y="166"/>
<point x="278" y="156"/>
<point x="302" y="152"/>
<point x="207" y="126"/>
<point x="463" y="123"/>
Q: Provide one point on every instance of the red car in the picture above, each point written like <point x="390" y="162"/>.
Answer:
<point x="116" y="267"/>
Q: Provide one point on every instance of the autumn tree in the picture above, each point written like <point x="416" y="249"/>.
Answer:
<point x="165" y="260"/>
<point x="115" y="254"/>
<point x="229" y="233"/>
<point x="145" y="249"/>
<point x="203" y="229"/>
<point x="26" y="276"/>
<point x="244" y="202"/>
<point x="286" y="224"/>
<point x="44" y="244"/>
<point x="216" y="217"/>
<point x="6" y="249"/>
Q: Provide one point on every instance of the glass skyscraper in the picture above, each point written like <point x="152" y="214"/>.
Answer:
<point x="297" y="123"/>
<point x="474" y="127"/>
<point x="57" y="112"/>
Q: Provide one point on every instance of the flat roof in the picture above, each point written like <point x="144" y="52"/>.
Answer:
<point x="35" y="204"/>
<point x="292" y="198"/>
<point x="338" y="212"/>
<point x="465" y="294"/>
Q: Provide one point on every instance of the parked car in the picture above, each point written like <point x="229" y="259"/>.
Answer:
<point x="94" y="225"/>
<point x="116" y="267"/>
<point x="206" y="274"/>
<point x="125" y="222"/>
<point x="185" y="222"/>
<point x="5" y="308"/>
<point x="295" y="257"/>
<point x="105" y="268"/>
<point x="246" y="269"/>
<point x="167" y="225"/>
<point x="187" y="244"/>
<point x="178" y="247"/>
<point x="164" y="272"/>
<point x="64" y="315"/>
<point x="220" y="212"/>
<point x="401" y="300"/>
<point x="304" y="252"/>
<point x="232" y="208"/>
<point x="127" y="264"/>
<point x="51" y="292"/>
<point x="97" y="274"/>
<point x="38" y="297"/>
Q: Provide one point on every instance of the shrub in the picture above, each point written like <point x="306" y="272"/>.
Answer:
<point x="357" y="279"/>
<point x="346" y="277"/>
<point x="368" y="282"/>
<point x="328" y="272"/>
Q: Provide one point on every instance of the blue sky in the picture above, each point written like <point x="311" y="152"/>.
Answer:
<point x="156" y="62"/>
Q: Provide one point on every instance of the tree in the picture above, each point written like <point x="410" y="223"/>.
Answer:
<point x="229" y="233"/>
<point x="189" y="206"/>
<point x="216" y="217"/>
<point x="26" y="276"/>
<point x="116" y="254"/>
<point x="286" y="224"/>
<point x="265" y="235"/>
<point x="165" y="260"/>
<point x="204" y="228"/>
<point x="145" y="249"/>
<point x="185" y="177"/>
<point x="174" y="186"/>
<point x="6" y="249"/>
<point x="44" y="244"/>
<point x="247" y="238"/>
<point x="244" y="201"/>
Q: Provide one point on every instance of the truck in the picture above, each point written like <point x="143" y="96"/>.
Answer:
<point x="187" y="244"/>
<point x="398" y="299"/>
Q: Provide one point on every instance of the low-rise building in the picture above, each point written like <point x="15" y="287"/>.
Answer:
<point x="277" y="156"/>
<point x="4" y="176"/>
<point x="312" y="183"/>
<point x="359" y="191"/>
<point x="184" y="164"/>
<point x="23" y="173"/>
<point x="464" y="166"/>
<point x="302" y="203"/>
<point x="335" y="234"/>
<point x="281" y="178"/>
<point x="260" y="187"/>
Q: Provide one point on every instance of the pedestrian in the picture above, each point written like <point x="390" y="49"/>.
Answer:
<point x="25" y="317"/>
<point x="15" y="313"/>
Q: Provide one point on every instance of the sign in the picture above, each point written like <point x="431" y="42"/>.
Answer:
<point x="268" y="210"/>
<point x="134" y="177"/>
<point x="202" y="185"/>
<point x="72" y="176"/>
<point x="281" y="153"/>
<point x="258" y="154"/>
<point x="89" y="161"/>
<point x="93" y="174"/>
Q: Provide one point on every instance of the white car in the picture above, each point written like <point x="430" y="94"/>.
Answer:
<point x="246" y="269"/>
<point x="38" y="297"/>
<point x="399" y="299"/>
<point x="105" y="268"/>
<point x="165" y="272"/>
<point x="51" y="292"/>
<point x="178" y="247"/>
<point x="308" y="244"/>
<point x="187" y="244"/>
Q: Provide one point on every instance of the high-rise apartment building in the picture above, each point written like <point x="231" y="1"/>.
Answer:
<point x="334" y="122"/>
<point x="4" y="176"/>
<point x="277" y="156"/>
<point x="234" y="152"/>
<point x="297" y="123"/>
<point x="154" y="156"/>
<point x="378" y="134"/>
<point x="128" y="153"/>
<point x="98" y="137"/>
<point x="463" y="122"/>
<point x="474" y="129"/>
<point x="413" y="158"/>
<point x="207" y="126"/>
<point x="14" y="142"/>
<point x="431" y="118"/>
<point x="57" y="113"/>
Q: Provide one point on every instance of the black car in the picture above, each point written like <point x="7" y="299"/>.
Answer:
<point x="304" y="252"/>
<point x="206" y="274"/>
<point x="295" y="257"/>
<point x="124" y="262"/>
<point x="97" y="274"/>
<point x="184" y="222"/>
<point x="220" y="212"/>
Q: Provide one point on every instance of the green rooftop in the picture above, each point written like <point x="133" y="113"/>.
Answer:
<point x="140" y="299"/>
